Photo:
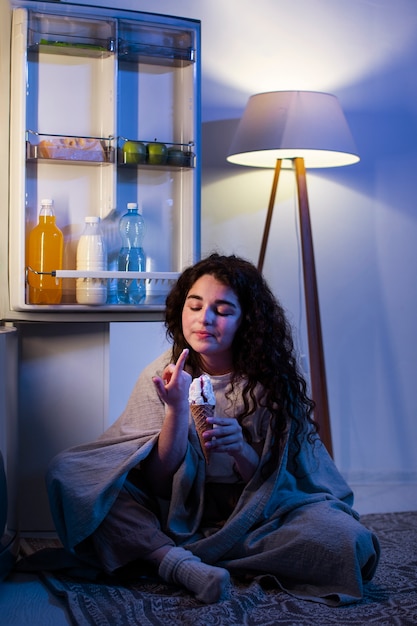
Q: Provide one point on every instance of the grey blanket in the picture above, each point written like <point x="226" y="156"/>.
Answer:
<point x="297" y="526"/>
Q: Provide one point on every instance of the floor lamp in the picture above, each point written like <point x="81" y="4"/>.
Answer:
<point x="298" y="130"/>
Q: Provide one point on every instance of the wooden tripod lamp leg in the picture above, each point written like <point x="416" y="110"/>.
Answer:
<point x="315" y="340"/>
<point x="269" y="215"/>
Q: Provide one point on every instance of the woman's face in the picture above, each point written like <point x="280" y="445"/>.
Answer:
<point x="210" y="319"/>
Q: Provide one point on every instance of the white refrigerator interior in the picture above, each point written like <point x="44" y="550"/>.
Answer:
<point x="104" y="110"/>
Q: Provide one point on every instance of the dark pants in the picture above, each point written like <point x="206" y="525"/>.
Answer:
<point x="132" y="529"/>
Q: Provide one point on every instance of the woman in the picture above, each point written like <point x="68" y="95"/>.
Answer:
<point x="269" y="502"/>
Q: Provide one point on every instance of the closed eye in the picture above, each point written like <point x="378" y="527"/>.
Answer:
<point x="224" y="313"/>
<point x="223" y="308"/>
<point x="221" y="312"/>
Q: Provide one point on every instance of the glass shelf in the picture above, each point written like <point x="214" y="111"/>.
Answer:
<point x="149" y="277"/>
<point x="158" y="285"/>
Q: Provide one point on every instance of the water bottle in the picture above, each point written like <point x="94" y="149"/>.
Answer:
<point x="91" y="255"/>
<point x="45" y="253"/>
<point x="131" y="256"/>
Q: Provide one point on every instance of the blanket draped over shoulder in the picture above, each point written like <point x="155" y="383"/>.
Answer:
<point x="300" y="515"/>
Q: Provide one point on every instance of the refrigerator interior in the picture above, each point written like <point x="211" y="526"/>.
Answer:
<point x="102" y="80"/>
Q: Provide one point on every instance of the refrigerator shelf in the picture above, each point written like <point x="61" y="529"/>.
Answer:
<point x="151" y="44"/>
<point x="78" y="49"/>
<point x="178" y="156"/>
<point x="78" y="36"/>
<point x="155" y="55"/>
<point x="158" y="285"/>
<point x="41" y="147"/>
<point x="70" y="36"/>
<point x="150" y="277"/>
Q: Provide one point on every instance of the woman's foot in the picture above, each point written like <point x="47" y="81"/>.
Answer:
<point x="208" y="583"/>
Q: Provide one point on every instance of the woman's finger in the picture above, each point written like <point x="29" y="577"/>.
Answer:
<point x="182" y="359"/>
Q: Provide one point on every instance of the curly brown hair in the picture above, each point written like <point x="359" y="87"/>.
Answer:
<point x="263" y="348"/>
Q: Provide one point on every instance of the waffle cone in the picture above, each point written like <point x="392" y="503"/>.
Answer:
<point x="199" y="414"/>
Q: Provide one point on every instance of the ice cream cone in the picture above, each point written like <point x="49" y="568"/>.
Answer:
<point x="199" y="413"/>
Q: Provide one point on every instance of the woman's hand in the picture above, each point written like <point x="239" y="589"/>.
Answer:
<point x="174" y="384"/>
<point x="227" y="436"/>
<point x="167" y="455"/>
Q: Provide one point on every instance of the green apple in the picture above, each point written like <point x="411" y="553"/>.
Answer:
<point x="134" y="152"/>
<point x="176" y="156"/>
<point x="157" y="153"/>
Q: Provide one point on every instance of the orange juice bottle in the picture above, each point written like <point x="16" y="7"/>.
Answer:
<point x="45" y="252"/>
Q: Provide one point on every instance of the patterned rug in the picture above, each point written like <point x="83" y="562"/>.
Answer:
<point x="390" y="599"/>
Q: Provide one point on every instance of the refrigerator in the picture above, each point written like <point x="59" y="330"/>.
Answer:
<point x="86" y="83"/>
<point x="9" y="530"/>
<point x="80" y="83"/>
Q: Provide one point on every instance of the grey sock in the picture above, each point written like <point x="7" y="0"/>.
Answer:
<point x="208" y="583"/>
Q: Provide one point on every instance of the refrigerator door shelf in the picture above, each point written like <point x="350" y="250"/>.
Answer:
<point x="157" y="55"/>
<point x="155" y="45"/>
<point x="75" y="35"/>
<point x="133" y="152"/>
<point x="69" y="148"/>
<point x="73" y="49"/>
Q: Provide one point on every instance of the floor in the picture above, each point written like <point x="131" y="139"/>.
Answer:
<point x="24" y="601"/>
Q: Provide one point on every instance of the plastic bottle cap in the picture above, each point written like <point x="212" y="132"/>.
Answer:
<point x="47" y="202"/>
<point x="92" y="219"/>
<point x="132" y="205"/>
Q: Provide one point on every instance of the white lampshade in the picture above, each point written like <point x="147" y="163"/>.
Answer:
<point x="290" y="124"/>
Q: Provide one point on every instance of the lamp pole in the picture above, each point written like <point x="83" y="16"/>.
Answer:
<point x="315" y="339"/>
